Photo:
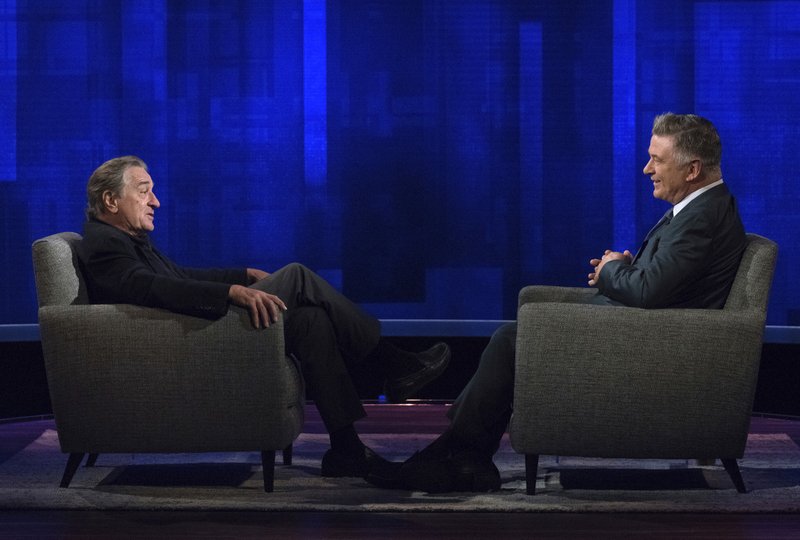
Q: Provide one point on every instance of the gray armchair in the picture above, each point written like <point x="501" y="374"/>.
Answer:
<point x="131" y="379"/>
<point x="598" y="381"/>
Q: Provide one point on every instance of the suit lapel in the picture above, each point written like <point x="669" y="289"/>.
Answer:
<point x="665" y="219"/>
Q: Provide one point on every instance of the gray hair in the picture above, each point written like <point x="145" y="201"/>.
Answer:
<point x="694" y="137"/>
<point x="108" y="177"/>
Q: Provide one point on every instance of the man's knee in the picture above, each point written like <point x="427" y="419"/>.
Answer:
<point x="295" y="269"/>
<point x="506" y="335"/>
<point x="287" y="282"/>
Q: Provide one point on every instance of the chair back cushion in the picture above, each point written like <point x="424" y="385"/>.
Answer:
<point x="59" y="280"/>
<point x="751" y="286"/>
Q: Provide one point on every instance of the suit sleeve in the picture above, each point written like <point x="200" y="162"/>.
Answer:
<point x="118" y="275"/>
<point x="669" y="268"/>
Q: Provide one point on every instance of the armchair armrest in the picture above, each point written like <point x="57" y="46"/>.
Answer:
<point x="546" y="293"/>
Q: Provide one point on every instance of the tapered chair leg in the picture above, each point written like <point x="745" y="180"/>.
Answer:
<point x="531" y="470"/>
<point x="73" y="462"/>
<point x="268" y="464"/>
<point x="91" y="460"/>
<point x="733" y="471"/>
<point x="287" y="455"/>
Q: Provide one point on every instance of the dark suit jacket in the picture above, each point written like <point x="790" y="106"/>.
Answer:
<point x="688" y="262"/>
<point x="122" y="269"/>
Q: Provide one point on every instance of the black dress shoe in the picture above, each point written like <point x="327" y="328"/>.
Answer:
<point x="465" y="470"/>
<point x="428" y="473"/>
<point x="475" y="472"/>
<point x="433" y="362"/>
<point x="392" y="477"/>
<point x="385" y="475"/>
<point x="336" y="463"/>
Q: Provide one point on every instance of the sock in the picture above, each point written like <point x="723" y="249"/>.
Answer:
<point x="346" y="440"/>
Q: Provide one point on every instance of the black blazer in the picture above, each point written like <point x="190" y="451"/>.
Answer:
<point x="689" y="261"/>
<point x="122" y="269"/>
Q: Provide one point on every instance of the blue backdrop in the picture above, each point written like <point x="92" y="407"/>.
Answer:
<point x="429" y="157"/>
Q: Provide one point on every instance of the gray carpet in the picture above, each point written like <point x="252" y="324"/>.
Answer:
<point x="29" y="480"/>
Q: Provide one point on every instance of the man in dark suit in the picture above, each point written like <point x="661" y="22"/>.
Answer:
<point x="688" y="260"/>
<point x="325" y="331"/>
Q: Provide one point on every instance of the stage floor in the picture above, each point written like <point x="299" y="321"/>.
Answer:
<point x="427" y="417"/>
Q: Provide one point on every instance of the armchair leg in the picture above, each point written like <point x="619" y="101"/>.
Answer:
<point x="73" y="462"/>
<point x="287" y="455"/>
<point x="268" y="464"/>
<point x="733" y="471"/>
<point x="91" y="460"/>
<point x="531" y="469"/>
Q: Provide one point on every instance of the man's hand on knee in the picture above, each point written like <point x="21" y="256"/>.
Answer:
<point x="264" y="308"/>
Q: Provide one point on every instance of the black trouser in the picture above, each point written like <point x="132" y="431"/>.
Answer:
<point x="328" y="334"/>
<point x="480" y="415"/>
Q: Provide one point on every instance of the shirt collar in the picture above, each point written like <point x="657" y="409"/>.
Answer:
<point x="143" y="238"/>
<point x="692" y="196"/>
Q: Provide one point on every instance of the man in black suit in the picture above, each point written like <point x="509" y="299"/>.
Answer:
<point x="325" y="331"/>
<point x="688" y="260"/>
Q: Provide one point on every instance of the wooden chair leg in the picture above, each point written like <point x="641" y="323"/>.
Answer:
<point x="531" y="470"/>
<point x="268" y="464"/>
<point x="287" y="455"/>
<point x="91" y="460"/>
<point x="73" y="462"/>
<point x="733" y="471"/>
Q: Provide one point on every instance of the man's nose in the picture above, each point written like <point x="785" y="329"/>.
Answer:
<point x="154" y="202"/>
<point x="648" y="167"/>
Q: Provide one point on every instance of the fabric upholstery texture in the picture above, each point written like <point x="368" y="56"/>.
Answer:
<point x="126" y="378"/>
<point x="601" y="381"/>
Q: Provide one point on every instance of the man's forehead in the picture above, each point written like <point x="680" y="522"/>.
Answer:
<point x="137" y="175"/>
<point x="661" y="144"/>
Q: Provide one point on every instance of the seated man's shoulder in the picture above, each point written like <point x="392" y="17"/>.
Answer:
<point x="99" y="237"/>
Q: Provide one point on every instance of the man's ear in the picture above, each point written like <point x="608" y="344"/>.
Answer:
<point x="695" y="170"/>
<point x="110" y="202"/>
